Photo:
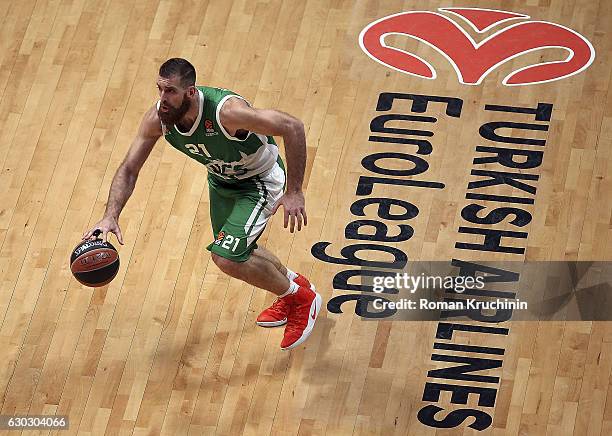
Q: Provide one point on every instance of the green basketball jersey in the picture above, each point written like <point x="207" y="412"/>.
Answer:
<point x="227" y="158"/>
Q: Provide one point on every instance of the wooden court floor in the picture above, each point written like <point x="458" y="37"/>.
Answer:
<point x="171" y="346"/>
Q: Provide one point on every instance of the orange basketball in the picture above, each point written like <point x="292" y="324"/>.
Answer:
<point x="94" y="262"/>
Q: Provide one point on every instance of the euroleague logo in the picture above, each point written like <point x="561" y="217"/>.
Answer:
<point x="472" y="60"/>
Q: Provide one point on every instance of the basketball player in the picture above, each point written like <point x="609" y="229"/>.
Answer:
<point x="246" y="179"/>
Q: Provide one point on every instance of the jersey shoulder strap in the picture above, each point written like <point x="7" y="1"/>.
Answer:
<point x="215" y="98"/>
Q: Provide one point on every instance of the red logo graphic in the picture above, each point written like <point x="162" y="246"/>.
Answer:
<point x="220" y="237"/>
<point x="472" y="60"/>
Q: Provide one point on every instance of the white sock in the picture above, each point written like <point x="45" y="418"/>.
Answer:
<point x="293" y="288"/>
<point x="291" y="275"/>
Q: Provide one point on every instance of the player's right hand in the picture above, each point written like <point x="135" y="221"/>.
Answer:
<point x="105" y="225"/>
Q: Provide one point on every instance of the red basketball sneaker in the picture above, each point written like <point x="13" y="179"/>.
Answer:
<point x="276" y="315"/>
<point x="304" y="307"/>
<point x="303" y="281"/>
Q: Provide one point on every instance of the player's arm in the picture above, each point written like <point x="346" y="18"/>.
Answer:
<point x="126" y="175"/>
<point x="237" y="115"/>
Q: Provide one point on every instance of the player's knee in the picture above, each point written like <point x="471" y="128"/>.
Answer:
<point x="228" y="266"/>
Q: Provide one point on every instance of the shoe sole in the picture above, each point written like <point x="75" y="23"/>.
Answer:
<point x="271" y="323"/>
<point x="318" y="301"/>
<point x="283" y="321"/>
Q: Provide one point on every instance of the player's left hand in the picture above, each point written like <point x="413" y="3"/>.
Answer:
<point x="295" y="209"/>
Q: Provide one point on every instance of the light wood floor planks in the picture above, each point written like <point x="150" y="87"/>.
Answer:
<point x="171" y="346"/>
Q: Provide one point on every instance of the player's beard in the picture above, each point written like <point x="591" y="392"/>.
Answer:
<point x="174" y="114"/>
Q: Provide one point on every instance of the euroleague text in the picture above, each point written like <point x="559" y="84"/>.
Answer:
<point x="396" y="210"/>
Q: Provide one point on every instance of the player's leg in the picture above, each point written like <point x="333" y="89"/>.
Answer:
<point x="257" y="271"/>
<point x="300" y="308"/>
<point x="232" y="252"/>
<point x="252" y="203"/>
<point x="268" y="255"/>
<point x="274" y="186"/>
<point x="291" y="275"/>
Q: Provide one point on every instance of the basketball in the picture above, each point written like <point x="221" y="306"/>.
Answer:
<point x="94" y="263"/>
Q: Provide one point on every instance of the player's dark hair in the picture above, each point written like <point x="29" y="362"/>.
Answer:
<point x="181" y="68"/>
